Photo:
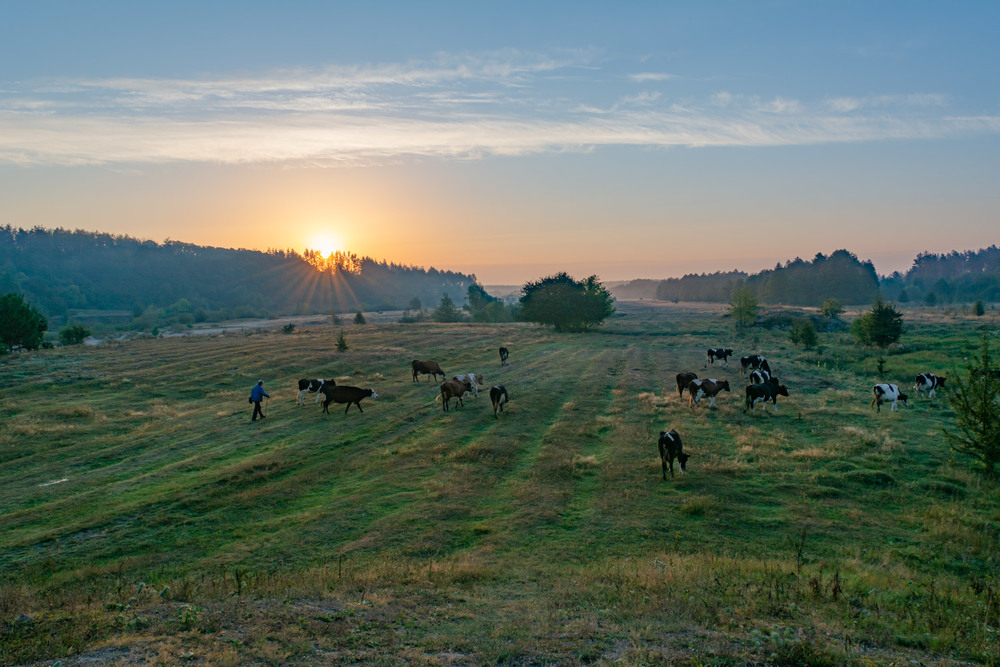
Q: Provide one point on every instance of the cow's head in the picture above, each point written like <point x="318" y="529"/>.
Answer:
<point x="902" y="399"/>
<point x="725" y="385"/>
<point x="371" y="392"/>
<point x="782" y="390"/>
<point x="682" y="458"/>
<point x="940" y="382"/>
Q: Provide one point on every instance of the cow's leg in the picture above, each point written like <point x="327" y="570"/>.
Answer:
<point x="712" y="404"/>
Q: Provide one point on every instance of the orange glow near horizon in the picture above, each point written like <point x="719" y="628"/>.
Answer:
<point x="326" y="242"/>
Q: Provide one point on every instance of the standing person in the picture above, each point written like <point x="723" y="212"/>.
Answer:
<point x="257" y="395"/>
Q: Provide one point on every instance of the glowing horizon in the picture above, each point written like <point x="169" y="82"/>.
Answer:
<point x="646" y="141"/>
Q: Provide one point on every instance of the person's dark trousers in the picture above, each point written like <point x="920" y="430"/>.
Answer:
<point x="256" y="411"/>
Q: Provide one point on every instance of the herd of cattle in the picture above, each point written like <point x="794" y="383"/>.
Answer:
<point x="458" y="387"/>
<point x="763" y="387"/>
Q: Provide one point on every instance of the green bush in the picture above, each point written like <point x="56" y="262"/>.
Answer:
<point x="73" y="334"/>
<point x="803" y="332"/>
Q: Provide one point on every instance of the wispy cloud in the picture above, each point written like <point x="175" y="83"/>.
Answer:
<point x="506" y="103"/>
<point x="644" y="77"/>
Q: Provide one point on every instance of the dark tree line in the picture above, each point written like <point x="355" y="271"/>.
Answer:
<point x="60" y="271"/>
<point x="797" y="282"/>
<point x="955" y="277"/>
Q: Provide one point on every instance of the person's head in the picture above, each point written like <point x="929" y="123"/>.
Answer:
<point x="260" y="382"/>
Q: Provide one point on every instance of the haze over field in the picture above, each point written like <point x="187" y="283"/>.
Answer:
<point x="514" y="140"/>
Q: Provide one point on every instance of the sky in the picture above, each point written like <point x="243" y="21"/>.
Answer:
<point x="511" y="140"/>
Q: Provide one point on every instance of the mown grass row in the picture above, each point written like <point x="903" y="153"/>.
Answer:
<point x="406" y="534"/>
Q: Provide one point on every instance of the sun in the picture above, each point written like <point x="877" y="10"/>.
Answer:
<point x="325" y="242"/>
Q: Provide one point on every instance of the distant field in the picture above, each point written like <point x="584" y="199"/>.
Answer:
<point x="145" y="520"/>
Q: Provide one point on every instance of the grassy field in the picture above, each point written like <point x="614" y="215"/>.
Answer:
<point x="145" y="520"/>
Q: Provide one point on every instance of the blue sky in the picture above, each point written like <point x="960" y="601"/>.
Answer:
<point x="510" y="139"/>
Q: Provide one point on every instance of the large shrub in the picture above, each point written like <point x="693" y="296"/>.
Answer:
<point x="879" y="327"/>
<point x="73" y="334"/>
<point x="566" y="304"/>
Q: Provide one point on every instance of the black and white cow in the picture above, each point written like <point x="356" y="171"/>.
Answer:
<point x="717" y="354"/>
<point x="503" y="356"/>
<point x="699" y="389"/>
<point x="670" y="449"/>
<point x="753" y="362"/>
<point x="887" y="393"/>
<point x="310" y="386"/>
<point x="764" y="392"/>
<point x="759" y="376"/>
<point x="928" y="381"/>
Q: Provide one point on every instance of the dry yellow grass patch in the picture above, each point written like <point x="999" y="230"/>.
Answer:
<point x="812" y="453"/>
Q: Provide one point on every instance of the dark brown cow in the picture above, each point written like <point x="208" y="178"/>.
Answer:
<point x="427" y="368"/>
<point x="683" y="380"/>
<point x="349" y="395"/>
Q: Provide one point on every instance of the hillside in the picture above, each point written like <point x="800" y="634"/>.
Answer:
<point x="65" y="273"/>
<point x="145" y="520"/>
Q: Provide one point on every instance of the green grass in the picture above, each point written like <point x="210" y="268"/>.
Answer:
<point x="823" y="534"/>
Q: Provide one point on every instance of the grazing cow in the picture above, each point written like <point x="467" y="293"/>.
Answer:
<point x="699" y="389"/>
<point x="503" y="356"/>
<point x="764" y="392"/>
<point x="670" y="449"/>
<point x="475" y="379"/>
<point x="753" y="362"/>
<point x="717" y="354"/>
<point x="887" y="393"/>
<point x="310" y="386"/>
<point x="498" y="394"/>
<point x="427" y="368"/>
<point x="928" y="381"/>
<point x="683" y="379"/>
<point x="760" y="376"/>
<point x="349" y="395"/>
<point x="454" y="389"/>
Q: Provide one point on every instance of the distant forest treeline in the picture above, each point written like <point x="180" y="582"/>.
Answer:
<point x="61" y="272"/>
<point x="956" y="277"/>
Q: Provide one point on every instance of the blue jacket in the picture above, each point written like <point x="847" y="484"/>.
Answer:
<point x="257" y="394"/>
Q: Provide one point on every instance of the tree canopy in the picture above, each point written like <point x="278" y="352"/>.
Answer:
<point x="21" y="325"/>
<point x="566" y="304"/>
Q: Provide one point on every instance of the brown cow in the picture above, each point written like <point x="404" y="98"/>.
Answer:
<point x="453" y="389"/>
<point x="683" y="380"/>
<point x="427" y="368"/>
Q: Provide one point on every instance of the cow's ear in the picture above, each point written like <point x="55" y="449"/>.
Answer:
<point x="662" y="433"/>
